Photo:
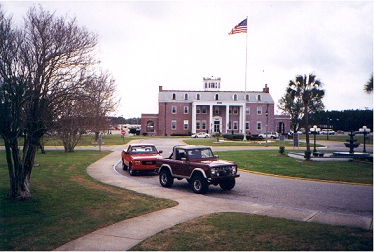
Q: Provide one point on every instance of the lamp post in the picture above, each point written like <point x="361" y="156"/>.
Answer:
<point x="314" y="132"/>
<point x="365" y="131"/>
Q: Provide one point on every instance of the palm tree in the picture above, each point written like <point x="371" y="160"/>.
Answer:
<point x="308" y="89"/>
<point x="369" y="85"/>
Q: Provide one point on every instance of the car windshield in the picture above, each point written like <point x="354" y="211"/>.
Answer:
<point x="200" y="153"/>
<point x="145" y="149"/>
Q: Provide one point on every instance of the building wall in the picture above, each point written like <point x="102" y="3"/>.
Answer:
<point x="182" y="112"/>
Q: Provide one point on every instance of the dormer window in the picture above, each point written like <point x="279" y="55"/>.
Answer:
<point x="216" y="97"/>
<point x="174" y="96"/>
<point x="198" y="97"/>
<point x="247" y="97"/>
<point x="259" y="97"/>
<point x="186" y="96"/>
<point x="235" y="97"/>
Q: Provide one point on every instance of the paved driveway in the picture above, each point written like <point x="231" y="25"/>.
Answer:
<point x="269" y="190"/>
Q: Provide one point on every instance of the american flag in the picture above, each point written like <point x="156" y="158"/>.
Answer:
<point x="240" y="28"/>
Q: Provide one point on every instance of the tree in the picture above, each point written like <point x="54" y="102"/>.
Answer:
<point x="369" y="85"/>
<point x="38" y="66"/>
<point x="308" y="90"/>
<point x="294" y="107"/>
<point x="86" y="110"/>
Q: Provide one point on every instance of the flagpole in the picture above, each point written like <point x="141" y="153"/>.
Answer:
<point x="246" y="59"/>
<point x="245" y="83"/>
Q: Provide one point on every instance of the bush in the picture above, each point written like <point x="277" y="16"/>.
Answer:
<point x="281" y="149"/>
<point x="307" y="155"/>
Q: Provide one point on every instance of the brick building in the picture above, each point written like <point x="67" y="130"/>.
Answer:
<point x="182" y="112"/>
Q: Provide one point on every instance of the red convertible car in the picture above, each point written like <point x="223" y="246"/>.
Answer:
<point x="140" y="157"/>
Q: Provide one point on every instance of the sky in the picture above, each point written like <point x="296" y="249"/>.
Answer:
<point x="174" y="44"/>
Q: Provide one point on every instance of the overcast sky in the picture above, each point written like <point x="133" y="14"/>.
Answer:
<point x="175" y="44"/>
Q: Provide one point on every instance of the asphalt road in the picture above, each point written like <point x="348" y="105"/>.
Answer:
<point x="281" y="192"/>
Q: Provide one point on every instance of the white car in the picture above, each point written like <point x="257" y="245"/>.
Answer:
<point x="272" y="135"/>
<point x="201" y="135"/>
<point x="327" y="132"/>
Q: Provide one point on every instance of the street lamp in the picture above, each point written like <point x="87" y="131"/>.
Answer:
<point x="314" y="132"/>
<point x="365" y="131"/>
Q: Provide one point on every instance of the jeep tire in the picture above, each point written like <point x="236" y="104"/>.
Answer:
<point x="166" y="180"/>
<point x="227" y="184"/>
<point x="199" y="184"/>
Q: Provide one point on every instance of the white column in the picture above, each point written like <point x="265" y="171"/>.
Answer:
<point x="210" y="119"/>
<point x="193" y="118"/>
<point x="227" y="118"/>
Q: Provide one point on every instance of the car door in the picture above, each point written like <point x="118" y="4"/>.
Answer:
<point x="180" y="166"/>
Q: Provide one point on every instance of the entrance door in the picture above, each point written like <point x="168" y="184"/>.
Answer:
<point x="217" y="126"/>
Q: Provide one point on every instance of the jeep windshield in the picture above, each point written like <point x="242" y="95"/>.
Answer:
<point x="200" y="153"/>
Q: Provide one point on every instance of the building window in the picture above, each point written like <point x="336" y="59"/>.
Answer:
<point x="248" y="110"/>
<point x="174" y="96"/>
<point x="203" y="125"/>
<point x="259" y="125"/>
<point x="198" y="110"/>
<point x="185" y="124"/>
<point x="216" y="110"/>
<point x="230" y="110"/>
<point x="173" y="124"/>
<point x="174" y="109"/>
<point x="216" y="97"/>
<point x="259" y="97"/>
<point x="247" y="97"/>
<point x="198" y="97"/>
<point x="235" y="110"/>
<point x="259" y="110"/>
<point x="235" y="125"/>
<point x="197" y="125"/>
<point x="186" y="109"/>
<point x="186" y="96"/>
<point x="235" y="97"/>
<point x="203" y="109"/>
<point x="247" y="125"/>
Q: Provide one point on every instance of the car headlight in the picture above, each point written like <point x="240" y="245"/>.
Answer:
<point x="233" y="170"/>
<point x="213" y="171"/>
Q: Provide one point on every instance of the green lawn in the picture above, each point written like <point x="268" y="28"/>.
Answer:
<point x="67" y="203"/>
<point x="271" y="162"/>
<point x="246" y="232"/>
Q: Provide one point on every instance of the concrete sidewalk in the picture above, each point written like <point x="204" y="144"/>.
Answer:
<point x="126" y="234"/>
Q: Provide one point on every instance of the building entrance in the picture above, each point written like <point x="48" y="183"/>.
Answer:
<point x="217" y="125"/>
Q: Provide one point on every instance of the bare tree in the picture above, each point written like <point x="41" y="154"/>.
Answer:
<point x="86" y="110"/>
<point x="38" y="65"/>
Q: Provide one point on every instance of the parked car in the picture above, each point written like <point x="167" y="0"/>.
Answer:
<point x="327" y="132"/>
<point x="199" y="166"/>
<point x="201" y="135"/>
<point x="140" y="157"/>
<point x="272" y="135"/>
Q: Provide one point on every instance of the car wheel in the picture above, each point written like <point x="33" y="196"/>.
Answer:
<point x="124" y="166"/>
<point x="199" y="184"/>
<point x="166" y="180"/>
<point x="228" y="184"/>
<point x="131" y="171"/>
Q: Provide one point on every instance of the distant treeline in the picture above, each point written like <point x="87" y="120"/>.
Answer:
<point x="345" y="120"/>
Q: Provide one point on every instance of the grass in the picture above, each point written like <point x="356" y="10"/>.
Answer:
<point x="239" y="231"/>
<point x="67" y="203"/>
<point x="271" y="162"/>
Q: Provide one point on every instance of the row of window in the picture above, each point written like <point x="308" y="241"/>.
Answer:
<point x="201" y="125"/>
<point x="233" y="110"/>
<point x="216" y="97"/>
